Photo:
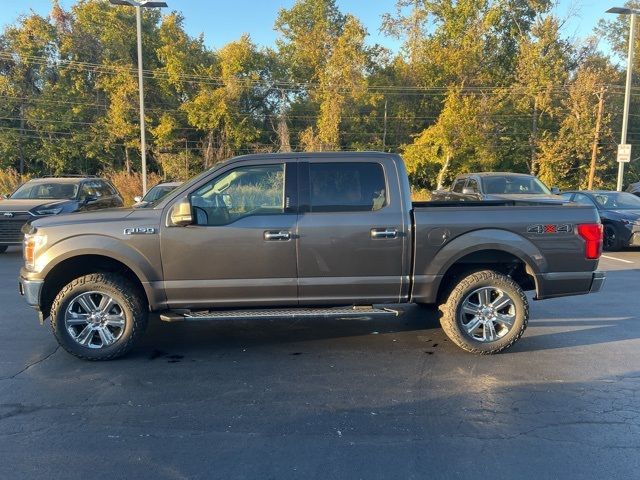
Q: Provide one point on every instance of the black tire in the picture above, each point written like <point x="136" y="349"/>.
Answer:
<point x="129" y="299"/>
<point x="451" y="319"/>
<point x="3" y="248"/>
<point x="611" y="241"/>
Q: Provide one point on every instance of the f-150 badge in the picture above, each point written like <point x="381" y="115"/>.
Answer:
<point x="139" y="231"/>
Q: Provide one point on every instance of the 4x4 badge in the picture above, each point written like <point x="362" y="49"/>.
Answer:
<point x="551" y="228"/>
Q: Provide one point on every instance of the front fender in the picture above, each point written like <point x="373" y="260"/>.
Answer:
<point x="141" y="264"/>
<point x="101" y="245"/>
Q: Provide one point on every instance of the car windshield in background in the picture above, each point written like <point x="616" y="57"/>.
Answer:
<point x="156" y="193"/>
<point x="46" y="191"/>
<point x="617" y="201"/>
<point x="513" y="185"/>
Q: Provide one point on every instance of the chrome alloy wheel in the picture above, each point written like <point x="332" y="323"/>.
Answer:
<point x="94" y="320"/>
<point x="487" y="314"/>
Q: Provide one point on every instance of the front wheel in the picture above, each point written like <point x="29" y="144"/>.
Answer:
<point x="485" y="313"/>
<point x="98" y="316"/>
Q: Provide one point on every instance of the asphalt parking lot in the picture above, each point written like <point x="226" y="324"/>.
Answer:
<point x="389" y="398"/>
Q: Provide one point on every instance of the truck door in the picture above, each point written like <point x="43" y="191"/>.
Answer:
<point x="241" y="248"/>
<point x="352" y="232"/>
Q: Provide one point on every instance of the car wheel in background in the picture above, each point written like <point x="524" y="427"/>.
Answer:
<point x="485" y="313"/>
<point x="611" y="240"/>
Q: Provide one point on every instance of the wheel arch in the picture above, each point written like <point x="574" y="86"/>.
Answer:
<point x="487" y="249"/>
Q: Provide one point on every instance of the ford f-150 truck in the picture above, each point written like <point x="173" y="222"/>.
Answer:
<point x="304" y="234"/>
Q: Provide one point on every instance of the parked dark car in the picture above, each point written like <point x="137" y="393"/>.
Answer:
<point x="43" y="197"/>
<point x="619" y="214"/>
<point x="155" y="194"/>
<point x="497" y="186"/>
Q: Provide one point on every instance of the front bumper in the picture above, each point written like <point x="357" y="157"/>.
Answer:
<point x="30" y="290"/>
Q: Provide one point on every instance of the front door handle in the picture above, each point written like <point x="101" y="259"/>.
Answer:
<point x="384" y="233"/>
<point x="276" y="235"/>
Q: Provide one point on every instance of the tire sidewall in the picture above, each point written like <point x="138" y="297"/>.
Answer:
<point x="617" y="243"/>
<point x="67" y="295"/>
<point x="519" y="300"/>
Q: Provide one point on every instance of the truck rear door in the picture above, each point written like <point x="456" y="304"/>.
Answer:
<point x="352" y="231"/>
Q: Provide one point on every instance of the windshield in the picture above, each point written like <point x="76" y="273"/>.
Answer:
<point x="617" y="201"/>
<point x="46" y="191"/>
<point x="514" y="185"/>
<point x="157" y="192"/>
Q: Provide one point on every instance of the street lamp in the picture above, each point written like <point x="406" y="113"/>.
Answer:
<point x="627" y="91"/>
<point x="143" y="141"/>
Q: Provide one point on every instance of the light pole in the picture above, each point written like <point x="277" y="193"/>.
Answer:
<point x="143" y="140"/>
<point x="627" y="91"/>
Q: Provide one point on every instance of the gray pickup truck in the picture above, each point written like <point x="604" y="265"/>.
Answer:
<point x="497" y="186"/>
<point x="304" y="234"/>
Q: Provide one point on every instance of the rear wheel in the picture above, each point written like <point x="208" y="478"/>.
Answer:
<point x="611" y="240"/>
<point x="98" y="316"/>
<point x="485" y="313"/>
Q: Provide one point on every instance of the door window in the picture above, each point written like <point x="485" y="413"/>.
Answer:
<point x="347" y="187"/>
<point x="238" y="193"/>
<point x="458" y="186"/>
<point x="473" y="185"/>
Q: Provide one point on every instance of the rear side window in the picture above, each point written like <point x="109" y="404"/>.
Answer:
<point x="347" y="187"/>
<point x="458" y="186"/>
<point x="582" y="199"/>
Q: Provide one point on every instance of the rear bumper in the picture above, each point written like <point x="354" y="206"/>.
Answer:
<point x="30" y="290"/>
<point x="562" y="284"/>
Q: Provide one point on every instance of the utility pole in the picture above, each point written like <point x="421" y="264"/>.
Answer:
<point x="627" y="91"/>
<point x="20" y="138"/>
<point x="138" y="5"/>
<point x="596" y="138"/>
<point x="384" y="135"/>
<point x="143" y="136"/>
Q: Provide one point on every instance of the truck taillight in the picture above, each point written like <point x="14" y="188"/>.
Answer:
<point x="592" y="235"/>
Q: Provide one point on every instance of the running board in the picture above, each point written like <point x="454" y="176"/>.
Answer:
<point x="273" y="314"/>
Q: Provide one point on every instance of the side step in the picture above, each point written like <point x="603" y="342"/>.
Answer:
<point x="276" y="313"/>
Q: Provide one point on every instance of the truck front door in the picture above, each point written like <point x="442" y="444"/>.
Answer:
<point x="240" y="249"/>
<point x="352" y="232"/>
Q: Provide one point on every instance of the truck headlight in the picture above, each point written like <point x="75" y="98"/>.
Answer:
<point x="33" y="243"/>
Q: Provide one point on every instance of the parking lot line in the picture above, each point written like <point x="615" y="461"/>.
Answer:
<point x="618" y="259"/>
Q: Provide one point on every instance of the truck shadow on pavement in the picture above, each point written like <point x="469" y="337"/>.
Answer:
<point x="418" y="328"/>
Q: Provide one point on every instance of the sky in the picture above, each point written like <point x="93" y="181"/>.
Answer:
<point x="222" y="21"/>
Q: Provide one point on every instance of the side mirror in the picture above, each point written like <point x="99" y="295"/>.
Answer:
<point x="137" y="199"/>
<point x="180" y="214"/>
<point x="555" y="190"/>
<point x="468" y="191"/>
<point x="89" y="199"/>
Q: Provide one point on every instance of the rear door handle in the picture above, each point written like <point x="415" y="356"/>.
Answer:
<point x="277" y="235"/>
<point x="384" y="233"/>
